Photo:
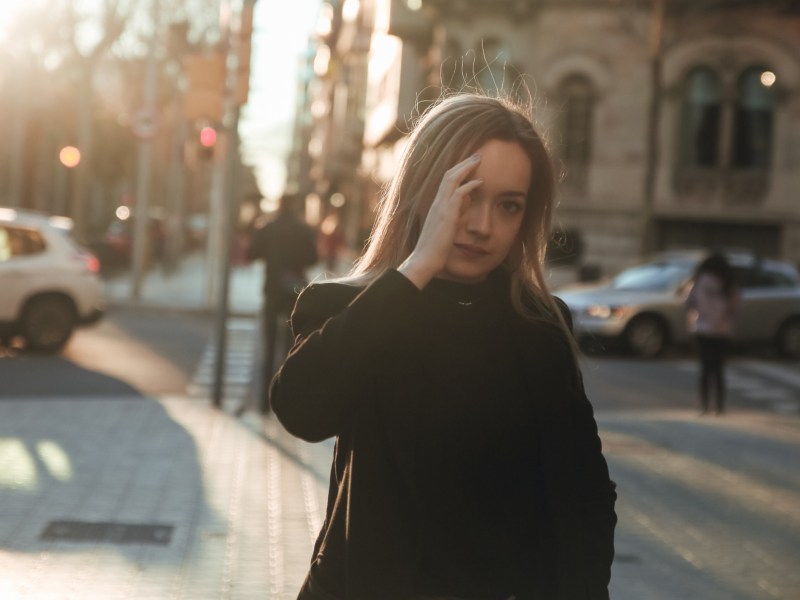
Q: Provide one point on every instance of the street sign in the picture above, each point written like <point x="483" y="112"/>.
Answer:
<point x="205" y="74"/>
<point x="144" y="124"/>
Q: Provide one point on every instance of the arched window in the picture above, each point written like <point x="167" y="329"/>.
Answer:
<point x="576" y="100"/>
<point x="753" y="118"/>
<point x="700" y="126"/>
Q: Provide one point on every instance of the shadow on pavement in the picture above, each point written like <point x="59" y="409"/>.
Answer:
<point x="54" y="377"/>
<point x="104" y="464"/>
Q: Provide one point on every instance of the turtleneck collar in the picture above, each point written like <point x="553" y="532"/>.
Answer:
<point x="467" y="294"/>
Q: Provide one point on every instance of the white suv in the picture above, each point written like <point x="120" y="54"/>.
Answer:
<point x="48" y="283"/>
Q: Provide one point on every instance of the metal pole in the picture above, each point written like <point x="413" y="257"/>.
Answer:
<point x="177" y="185"/>
<point x="227" y="215"/>
<point x="19" y="122"/>
<point x="216" y="209"/>
<point x="80" y="175"/>
<point x="656" y="40"/>
<point x="141" y="210"/>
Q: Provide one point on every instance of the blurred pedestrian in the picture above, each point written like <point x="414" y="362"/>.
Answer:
<point x="287" y="245"/>
<point x="712" y="305"/>
<point x="467" y="461"/>
<point x="331" y="241"/>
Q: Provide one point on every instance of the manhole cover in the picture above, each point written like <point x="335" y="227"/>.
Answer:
<point x="108" y="532"/>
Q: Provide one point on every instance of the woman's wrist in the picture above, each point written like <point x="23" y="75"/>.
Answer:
<point x="419" y="274"/>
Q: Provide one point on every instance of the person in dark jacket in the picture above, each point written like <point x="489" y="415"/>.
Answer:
<point x="287" y="245"/>
<point x="467" y="462"/>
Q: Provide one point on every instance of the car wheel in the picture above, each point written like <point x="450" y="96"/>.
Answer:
<point x="47" y="323"/>
<point x="646" y="336"/>
<point x="789" y="338"/>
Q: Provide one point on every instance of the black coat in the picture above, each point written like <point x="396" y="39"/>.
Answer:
<point x="342" y="379"/>
<point x="287" y="245"/>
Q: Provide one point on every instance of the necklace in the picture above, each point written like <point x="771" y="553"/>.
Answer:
<point x="466" y="296"/>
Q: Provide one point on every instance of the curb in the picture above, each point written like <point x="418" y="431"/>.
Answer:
<point x="197" y="311"/>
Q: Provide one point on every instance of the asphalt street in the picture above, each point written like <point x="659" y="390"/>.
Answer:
<point x="119" y="431"/>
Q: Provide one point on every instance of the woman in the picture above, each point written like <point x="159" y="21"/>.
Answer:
<point x="712" y="304"/>
<point x="467" y="462"/>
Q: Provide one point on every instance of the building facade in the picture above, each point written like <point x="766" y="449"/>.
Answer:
<point x="676" y="124"/>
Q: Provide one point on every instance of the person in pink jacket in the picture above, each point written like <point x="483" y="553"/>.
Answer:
<point x="712" y="305"/>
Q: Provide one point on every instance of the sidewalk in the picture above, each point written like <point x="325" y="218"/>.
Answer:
<point x="187" y="287"/>
<point x="149" y="498"/>
<point x="153" y="498"/>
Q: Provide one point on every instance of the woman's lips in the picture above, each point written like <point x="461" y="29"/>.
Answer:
<point x="471" y="251"/>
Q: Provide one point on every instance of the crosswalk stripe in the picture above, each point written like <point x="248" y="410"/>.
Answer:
<point x="240" y="356"/>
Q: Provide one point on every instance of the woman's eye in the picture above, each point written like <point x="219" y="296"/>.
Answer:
<point x="512" y="207"/>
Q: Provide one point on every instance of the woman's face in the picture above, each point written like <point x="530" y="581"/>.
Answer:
<point x="491" y="217"/>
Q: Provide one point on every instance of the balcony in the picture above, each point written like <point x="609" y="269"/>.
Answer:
<point x="721" y="187"/>
<point x="410" y="25"/>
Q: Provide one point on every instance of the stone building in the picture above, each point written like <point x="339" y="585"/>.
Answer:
<point x="677" y="123"/>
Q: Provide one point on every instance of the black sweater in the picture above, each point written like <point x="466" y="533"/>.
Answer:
<point x="467" y="459"/>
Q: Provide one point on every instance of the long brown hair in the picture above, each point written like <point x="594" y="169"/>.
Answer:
<point x="452" y="129"/>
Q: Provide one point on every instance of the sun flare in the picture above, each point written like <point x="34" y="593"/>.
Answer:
<point x="8" y="14"/>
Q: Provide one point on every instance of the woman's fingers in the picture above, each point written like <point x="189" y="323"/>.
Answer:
<point x="455" y="175"/>
<point x="466" y="189"/>
<point x="452" y="185"/>
<point x="442" y="217"/>
<point x="441" y="223"/>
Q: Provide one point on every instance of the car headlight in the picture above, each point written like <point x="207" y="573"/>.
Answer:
<point x="606" y="311"/>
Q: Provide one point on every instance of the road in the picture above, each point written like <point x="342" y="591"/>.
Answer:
<point x="709" y="507"/>
<point x="128" y="353"/>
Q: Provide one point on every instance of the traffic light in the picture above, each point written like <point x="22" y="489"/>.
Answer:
<point x="208" y="141"/>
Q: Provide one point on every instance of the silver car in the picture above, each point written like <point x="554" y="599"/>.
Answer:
<point x="643" y="306"/>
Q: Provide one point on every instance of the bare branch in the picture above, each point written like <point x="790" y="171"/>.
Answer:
<point x="114" y="22"/>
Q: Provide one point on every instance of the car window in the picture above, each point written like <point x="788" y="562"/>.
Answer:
<point x="767" y="277"/>
<point x="652" y="277"/>
<point x="19" y="241"/>
<point x="70" y="238"/>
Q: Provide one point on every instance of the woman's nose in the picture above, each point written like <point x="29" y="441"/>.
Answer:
<point x="479" y="219"/>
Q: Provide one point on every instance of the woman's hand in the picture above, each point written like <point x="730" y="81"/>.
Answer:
<point x="441" y="224"/>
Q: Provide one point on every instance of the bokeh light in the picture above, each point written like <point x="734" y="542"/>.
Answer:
<point x="70" y="156"/>
<point x="208" y="136"/>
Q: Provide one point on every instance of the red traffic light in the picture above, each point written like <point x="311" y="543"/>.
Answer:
<point x="208" y="137"/>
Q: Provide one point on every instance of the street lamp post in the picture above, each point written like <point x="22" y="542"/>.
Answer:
<point x="656" y="41"/>
<point x="146" y="114"/>
<point x="236" y="11"/>
<point x="231" y="123"/>
<point x="70" y="158"/>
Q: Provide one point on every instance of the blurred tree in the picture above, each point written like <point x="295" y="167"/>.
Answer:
<point x="115" y="158"/>
<point x="58" y="56"/>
